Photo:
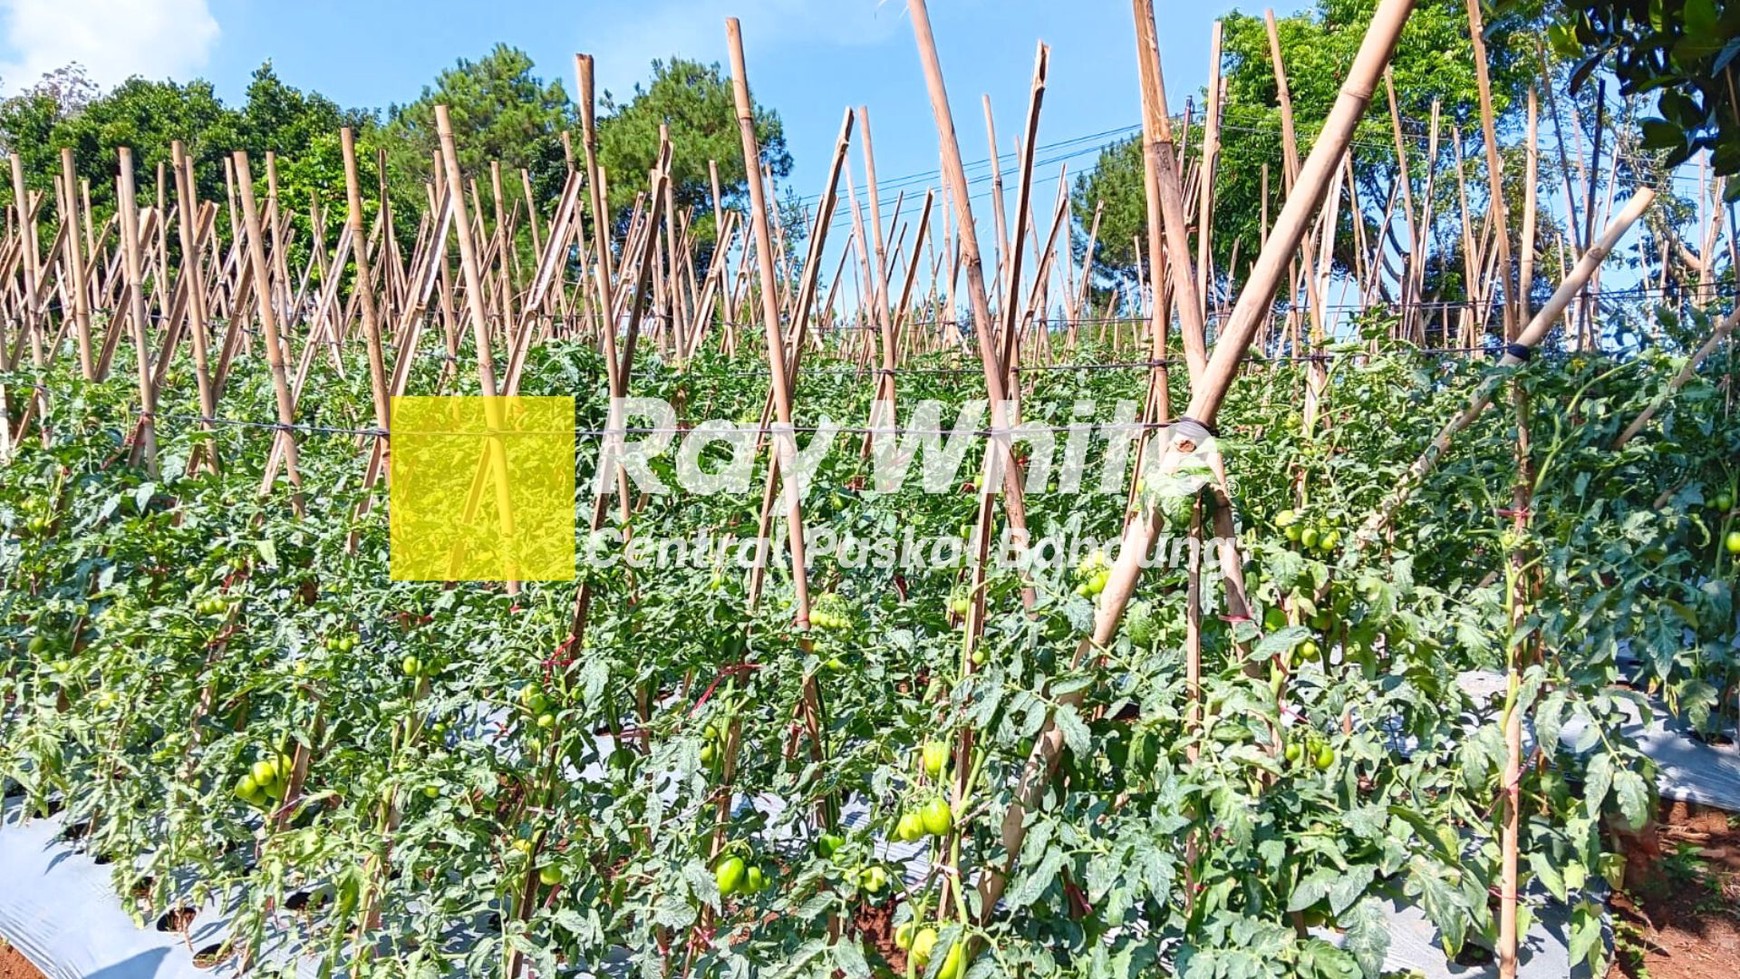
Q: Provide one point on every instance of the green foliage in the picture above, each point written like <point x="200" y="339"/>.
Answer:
<point x="147" y="116"/>
<point x="501" y="111"/>
<point x="277" y="118"/>
<point x="1201" y="850"/>
<point x="694" y="102"/>
<point x="1434" y="62"/>
<point x="1681" y="51"/>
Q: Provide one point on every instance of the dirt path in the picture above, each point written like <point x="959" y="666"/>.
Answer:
<point x="13" y="964"/>
<point x="1679" y="917"/>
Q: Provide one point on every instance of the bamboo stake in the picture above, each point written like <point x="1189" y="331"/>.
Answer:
<point x="365" y="292"/>
<point x="186" y="193"/>
<point x="1516" y="354"/>
<point x="285" y="437"/>
<point x="776" y="357"/>
<point x="1494" y="169"/>
<point x="1247" y="315"/>
<point x="129" y="214"/>
<point x="1166" y="200"/>
<point x="81" y="297"/>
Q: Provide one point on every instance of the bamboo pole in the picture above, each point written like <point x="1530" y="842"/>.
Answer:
<point x="285" y="437"/>
<point x="1518" y="351"/>
<point x="495" y="457"/>
<point x="187" y="197"/>
<point x="129" y="214"/>
<point x="1494" y="170"/>
<point x="1235" y="338"/>
<point x="776" y="354"/>
<point x="365" y="292"/>
<point x="955" y="181"/>
<point x="1205" y="178"/>
<point x="1166" y="201"/>
<point x="81" y="297"/>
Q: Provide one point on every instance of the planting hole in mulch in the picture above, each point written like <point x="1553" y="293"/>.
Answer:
<point x="1679" y="915"/>
<point x="176" y="919"/>
<point x="212" y="955"/>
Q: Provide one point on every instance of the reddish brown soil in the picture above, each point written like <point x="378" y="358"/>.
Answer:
<point x="875" y="923"/>
<point x="13" y="964"/>
<point x="1679" y="917"/>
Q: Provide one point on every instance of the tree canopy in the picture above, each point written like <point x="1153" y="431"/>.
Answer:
<point x="501" y="108"/>
<point x="695" y="102"/>
<point x="501" y="111"/>
<point x="1434" y="62"/>
<point x="1682" y="51"/>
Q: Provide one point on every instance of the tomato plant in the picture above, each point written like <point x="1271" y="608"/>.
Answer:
<point x="174" y="645"/>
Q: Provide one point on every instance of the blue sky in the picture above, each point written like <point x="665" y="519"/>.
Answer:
<point x="810" y="59"/>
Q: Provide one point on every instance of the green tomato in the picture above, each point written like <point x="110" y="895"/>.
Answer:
<point x="1724" y="501"/>
<point x="1325" y="758"/>
<point x="264" y="772"/>
<point x="903" y="935"/>
<point x="729" y="874"/>
<point x="755" y="881"/>
<point x="936" y="758"/>
<point x="979" y="657"/>
<point x="1292" y="752"/>
<point x="1308" y="536"/>
<point x="954" y="964"/>
<point x="247" y="788"/>
<point x="707" y="754"/>
<point x="546" y="721"/>
<point x="1274" y="619"/>
<point x="549" y="875"/>
<point x="1733" y="542"/>
<point x="872" y="880"/>
<point x="938" y="817"/>
<point x="431" y="792"/>
<point x="909" y="828"/>
<point x="412" y="666"/>
<point x="923" y="942"/>
<point x="828" y="844"/>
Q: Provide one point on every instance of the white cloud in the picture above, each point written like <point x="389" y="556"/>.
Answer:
<point x="112" y="39"/>
<point x="696" y="29"/>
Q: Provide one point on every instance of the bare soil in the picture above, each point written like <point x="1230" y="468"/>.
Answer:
<point x="13" y="964"/>
<point x="1679" y="915"/>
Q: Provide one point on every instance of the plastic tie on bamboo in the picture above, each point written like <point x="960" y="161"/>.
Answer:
<point x="482" y="489"/>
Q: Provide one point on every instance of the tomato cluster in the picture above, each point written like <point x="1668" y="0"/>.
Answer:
<point x="1092" y="573"/>
<point x="1320" y="534"/>
<point x="265" y="780"/>
<point x="933" y="818"/>
<point x="734" y="875"/>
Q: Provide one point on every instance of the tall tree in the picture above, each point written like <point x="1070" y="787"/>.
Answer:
<point x="280" y="119"/>
<point x="28" y="121"/>
<point x="1684" y="52"/>
<point x="146" y="116"/>
<point x="1434" y="60"/>
<point x="694" y="100"/>
<point x="500" y="110"/>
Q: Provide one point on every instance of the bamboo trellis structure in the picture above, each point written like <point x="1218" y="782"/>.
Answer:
<point x="247" y="279"/>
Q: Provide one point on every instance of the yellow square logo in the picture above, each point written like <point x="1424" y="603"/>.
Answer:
<point x="482" y="489"/>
